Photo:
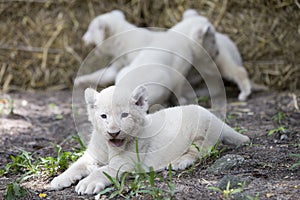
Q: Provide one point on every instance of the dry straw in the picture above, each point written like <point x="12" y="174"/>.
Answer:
<point x="41" y="47"/>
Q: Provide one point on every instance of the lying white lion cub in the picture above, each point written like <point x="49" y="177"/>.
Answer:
<point x="171" y="135"/>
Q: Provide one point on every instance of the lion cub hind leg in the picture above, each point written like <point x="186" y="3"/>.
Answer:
<point x="76" y="171"/>
<point x="187" y="159"/>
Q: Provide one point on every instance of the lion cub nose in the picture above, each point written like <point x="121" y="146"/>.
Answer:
<point x="114" y="134"/>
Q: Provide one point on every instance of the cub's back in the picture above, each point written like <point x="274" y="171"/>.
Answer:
<point x="186" y="120"/>
<point x="172" y="131"/>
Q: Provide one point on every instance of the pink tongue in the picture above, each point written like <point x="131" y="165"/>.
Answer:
<point x="116" y="142"/>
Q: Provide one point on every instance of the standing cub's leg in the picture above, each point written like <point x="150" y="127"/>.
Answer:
<point x="243" y="82"/>
<point x="81" y="168"/>
<point x="239" y="75"/>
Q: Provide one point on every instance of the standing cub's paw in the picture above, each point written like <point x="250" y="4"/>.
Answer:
<point x="243" y="96"/>
<point x="89" y="186"/>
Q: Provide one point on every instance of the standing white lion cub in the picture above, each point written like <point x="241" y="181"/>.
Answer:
<point x="119" y="121"/>
<point x="226" y="56"/>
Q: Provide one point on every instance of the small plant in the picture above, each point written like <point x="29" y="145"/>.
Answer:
<point x="202" y="99"/>
<point x="280" y="129"/>
<point x="253" y="198"/>
<point x="229" y="117"/>
<point x="50" y="165"/>
<point x="279" y="117"/>
<point x="21" y="163"/>
<point x="240" y="129"/>
<point x="296" y="145"/>
<point x="140" y="182"/>
<point x="51" y="105"/>
<point x="59" y="117"/>
<point x="297" y="164"/>
<point x="250" y="144"/>
<point x="214" y="152"/>
<point x="81" y="143"/>
<point x="61" y="162"/>
<point x="14" y="191"/>
<point x="25" y="164"/>
<point x="229" y="191"/>
<point x="117" y="188"/>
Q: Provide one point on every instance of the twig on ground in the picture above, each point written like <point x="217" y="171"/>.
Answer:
<point x="295" y="101"/>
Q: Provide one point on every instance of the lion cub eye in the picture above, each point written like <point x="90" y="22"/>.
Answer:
<point x="103" y="116"/>
<point x="124" y="115"/>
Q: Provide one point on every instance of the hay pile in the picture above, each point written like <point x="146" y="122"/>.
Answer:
<point x="41" y="47"/>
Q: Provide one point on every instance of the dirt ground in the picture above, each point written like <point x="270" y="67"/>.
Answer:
<point x="35" y="126"/>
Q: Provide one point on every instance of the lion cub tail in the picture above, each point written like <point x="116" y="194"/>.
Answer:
<point x="231" y="137"/>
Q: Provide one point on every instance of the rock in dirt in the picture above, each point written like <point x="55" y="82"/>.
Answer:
<point x="235" y="182"/>
<point x="227" y="162"/>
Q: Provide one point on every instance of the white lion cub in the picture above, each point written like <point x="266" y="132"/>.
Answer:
<point x="116" y="37"/>
<point x="227" y="57"/>
<point x="120" y="121"/>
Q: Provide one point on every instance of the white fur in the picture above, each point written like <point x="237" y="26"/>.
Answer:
<point x="163" y="69"/>
<point x="107" y="27"/>
<point x="228" y="59"/>
<point x="163" y="65"/>
<point x="167" y="136"/>
<point x="189" y="13"/>
<point x="159" y="68"/>
<point x="114" y="36"/>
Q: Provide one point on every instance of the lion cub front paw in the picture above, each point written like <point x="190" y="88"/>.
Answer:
<point x="88" y="186"/>
<point x="59" y="183"/>
<point x="63" y="181"/>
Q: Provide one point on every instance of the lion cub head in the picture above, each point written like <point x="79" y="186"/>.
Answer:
<point x="116" y="113"/>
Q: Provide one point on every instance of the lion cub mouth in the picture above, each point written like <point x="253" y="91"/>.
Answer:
<point x="116" y="142"/>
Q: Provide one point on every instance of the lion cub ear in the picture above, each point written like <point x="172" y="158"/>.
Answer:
<point x="207" y="38"/>
<point x="118" y="13"/>
<point x="90" y="95"/>
<point x="139" y="98"/>
<point x="189" y="13"/>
